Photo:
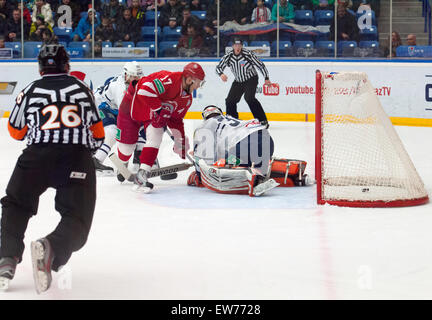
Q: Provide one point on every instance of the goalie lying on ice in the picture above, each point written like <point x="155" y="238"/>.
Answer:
<point x="239" y="145"/>
<point x="233" y="156"/>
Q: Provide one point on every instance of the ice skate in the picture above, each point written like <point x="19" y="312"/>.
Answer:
<point x="141" y="183"/>
<point x="42" y="258"/>
<point x="7" y="271"/>
<point x="102" y="170"/>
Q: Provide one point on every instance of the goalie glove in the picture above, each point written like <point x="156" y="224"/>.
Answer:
<point x="160" y="116"/>
<point x="181" y="146"/>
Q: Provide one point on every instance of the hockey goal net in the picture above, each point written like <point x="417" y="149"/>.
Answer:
<point x="360" y="159"/>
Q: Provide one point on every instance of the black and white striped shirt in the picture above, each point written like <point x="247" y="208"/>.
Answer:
<point x="242" y="65"/>
<point x="57" y="109"/>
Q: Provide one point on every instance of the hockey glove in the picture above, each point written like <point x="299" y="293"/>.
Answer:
<point x="181" y="146"/>
<point x="161" y="116"/>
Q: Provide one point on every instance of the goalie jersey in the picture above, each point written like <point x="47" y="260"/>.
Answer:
<point x="224" y="137"/>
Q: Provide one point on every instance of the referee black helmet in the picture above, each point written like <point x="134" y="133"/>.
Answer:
<point x="53" y="58"/>
<point x="237" y="40"/>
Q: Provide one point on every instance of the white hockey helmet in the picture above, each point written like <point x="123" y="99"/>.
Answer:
<point x="211" y="111"/>
<point x="133" y="69"/>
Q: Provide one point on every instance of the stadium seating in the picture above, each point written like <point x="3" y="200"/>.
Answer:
<point x="285" y="49"/>
<point x="369" y="44"/>
<point x="168" y="48"/>
<point x="148" y="33"/>
<point x="147" y="44"/>
<point x="369" y="34"/>
<point x="324" y="48"/>
<point x="150" y="18"/>
<point x="106" y="44"/>
<point x="323" y="36"/>
<point x="16" y="48"/>
<point x="323" y="17"/>
<point x="63" y="34"/>
<point x="259" y="44"/>
<point x="76" y="52"/>
<point x="124" y="44"/>
<point x="346" y="48"/>
<point x="169" y="34"/>
<point x="304" y="17"/>
<point x="31" y="49"/>
<point x="369" y="49"/>
<point x="303" y="48"/>
<point x="200" y="14"/>
<point x="414" y="51"/>
<point x="81" y="44"/>
<point x="304" y="36"/>
<point x="303" y="44"/>
<point x="285" y="35"/>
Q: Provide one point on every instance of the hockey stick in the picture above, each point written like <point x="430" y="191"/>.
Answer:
<point x="169" y="176"/>
<point x="153" y="173"/>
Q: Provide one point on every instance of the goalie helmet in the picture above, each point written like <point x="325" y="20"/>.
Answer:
<point x="211" y="111"/>
<point x="133" y="69"/>
<point x="53" y="58"/>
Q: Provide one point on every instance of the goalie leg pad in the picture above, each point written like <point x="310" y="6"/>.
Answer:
<point x="224" y="180"/>
<point x="258" y="185"/>
<point x="288" y="172"/>
<point x="235" y="180"/>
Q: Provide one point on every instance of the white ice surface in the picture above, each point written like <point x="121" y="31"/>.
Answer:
<point x="181" y="242"/>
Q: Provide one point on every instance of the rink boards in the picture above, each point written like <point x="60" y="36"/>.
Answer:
<point x="403" y="88"/>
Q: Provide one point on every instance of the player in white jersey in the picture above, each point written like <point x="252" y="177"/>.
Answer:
<point x="232" y="156"/>
<point x="108" y="98"/>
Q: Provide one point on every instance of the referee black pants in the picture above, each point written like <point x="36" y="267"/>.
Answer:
<point x="70" y="170"/>
<point x="248" y="88"/>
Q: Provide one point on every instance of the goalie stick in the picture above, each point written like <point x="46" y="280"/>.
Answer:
<point x="153" y="173"/>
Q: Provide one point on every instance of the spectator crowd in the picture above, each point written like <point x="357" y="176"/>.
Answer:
<point x="119" y="21"/>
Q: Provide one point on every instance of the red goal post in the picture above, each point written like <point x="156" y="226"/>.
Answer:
<point x="360" y="160"/>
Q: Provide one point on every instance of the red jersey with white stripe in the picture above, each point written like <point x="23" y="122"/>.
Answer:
<point x="158" y="89"/>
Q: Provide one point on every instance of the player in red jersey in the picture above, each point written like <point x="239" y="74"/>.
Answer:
<point x="156" y="101"/>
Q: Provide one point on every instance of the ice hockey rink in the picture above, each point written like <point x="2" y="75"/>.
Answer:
<point x="181" y="242"/>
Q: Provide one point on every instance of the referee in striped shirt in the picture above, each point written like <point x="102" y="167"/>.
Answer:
<point x="58" y="116"/>
<point x="242" y="63"/>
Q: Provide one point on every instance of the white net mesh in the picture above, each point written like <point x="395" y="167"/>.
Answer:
<point x="362" y="157"/>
